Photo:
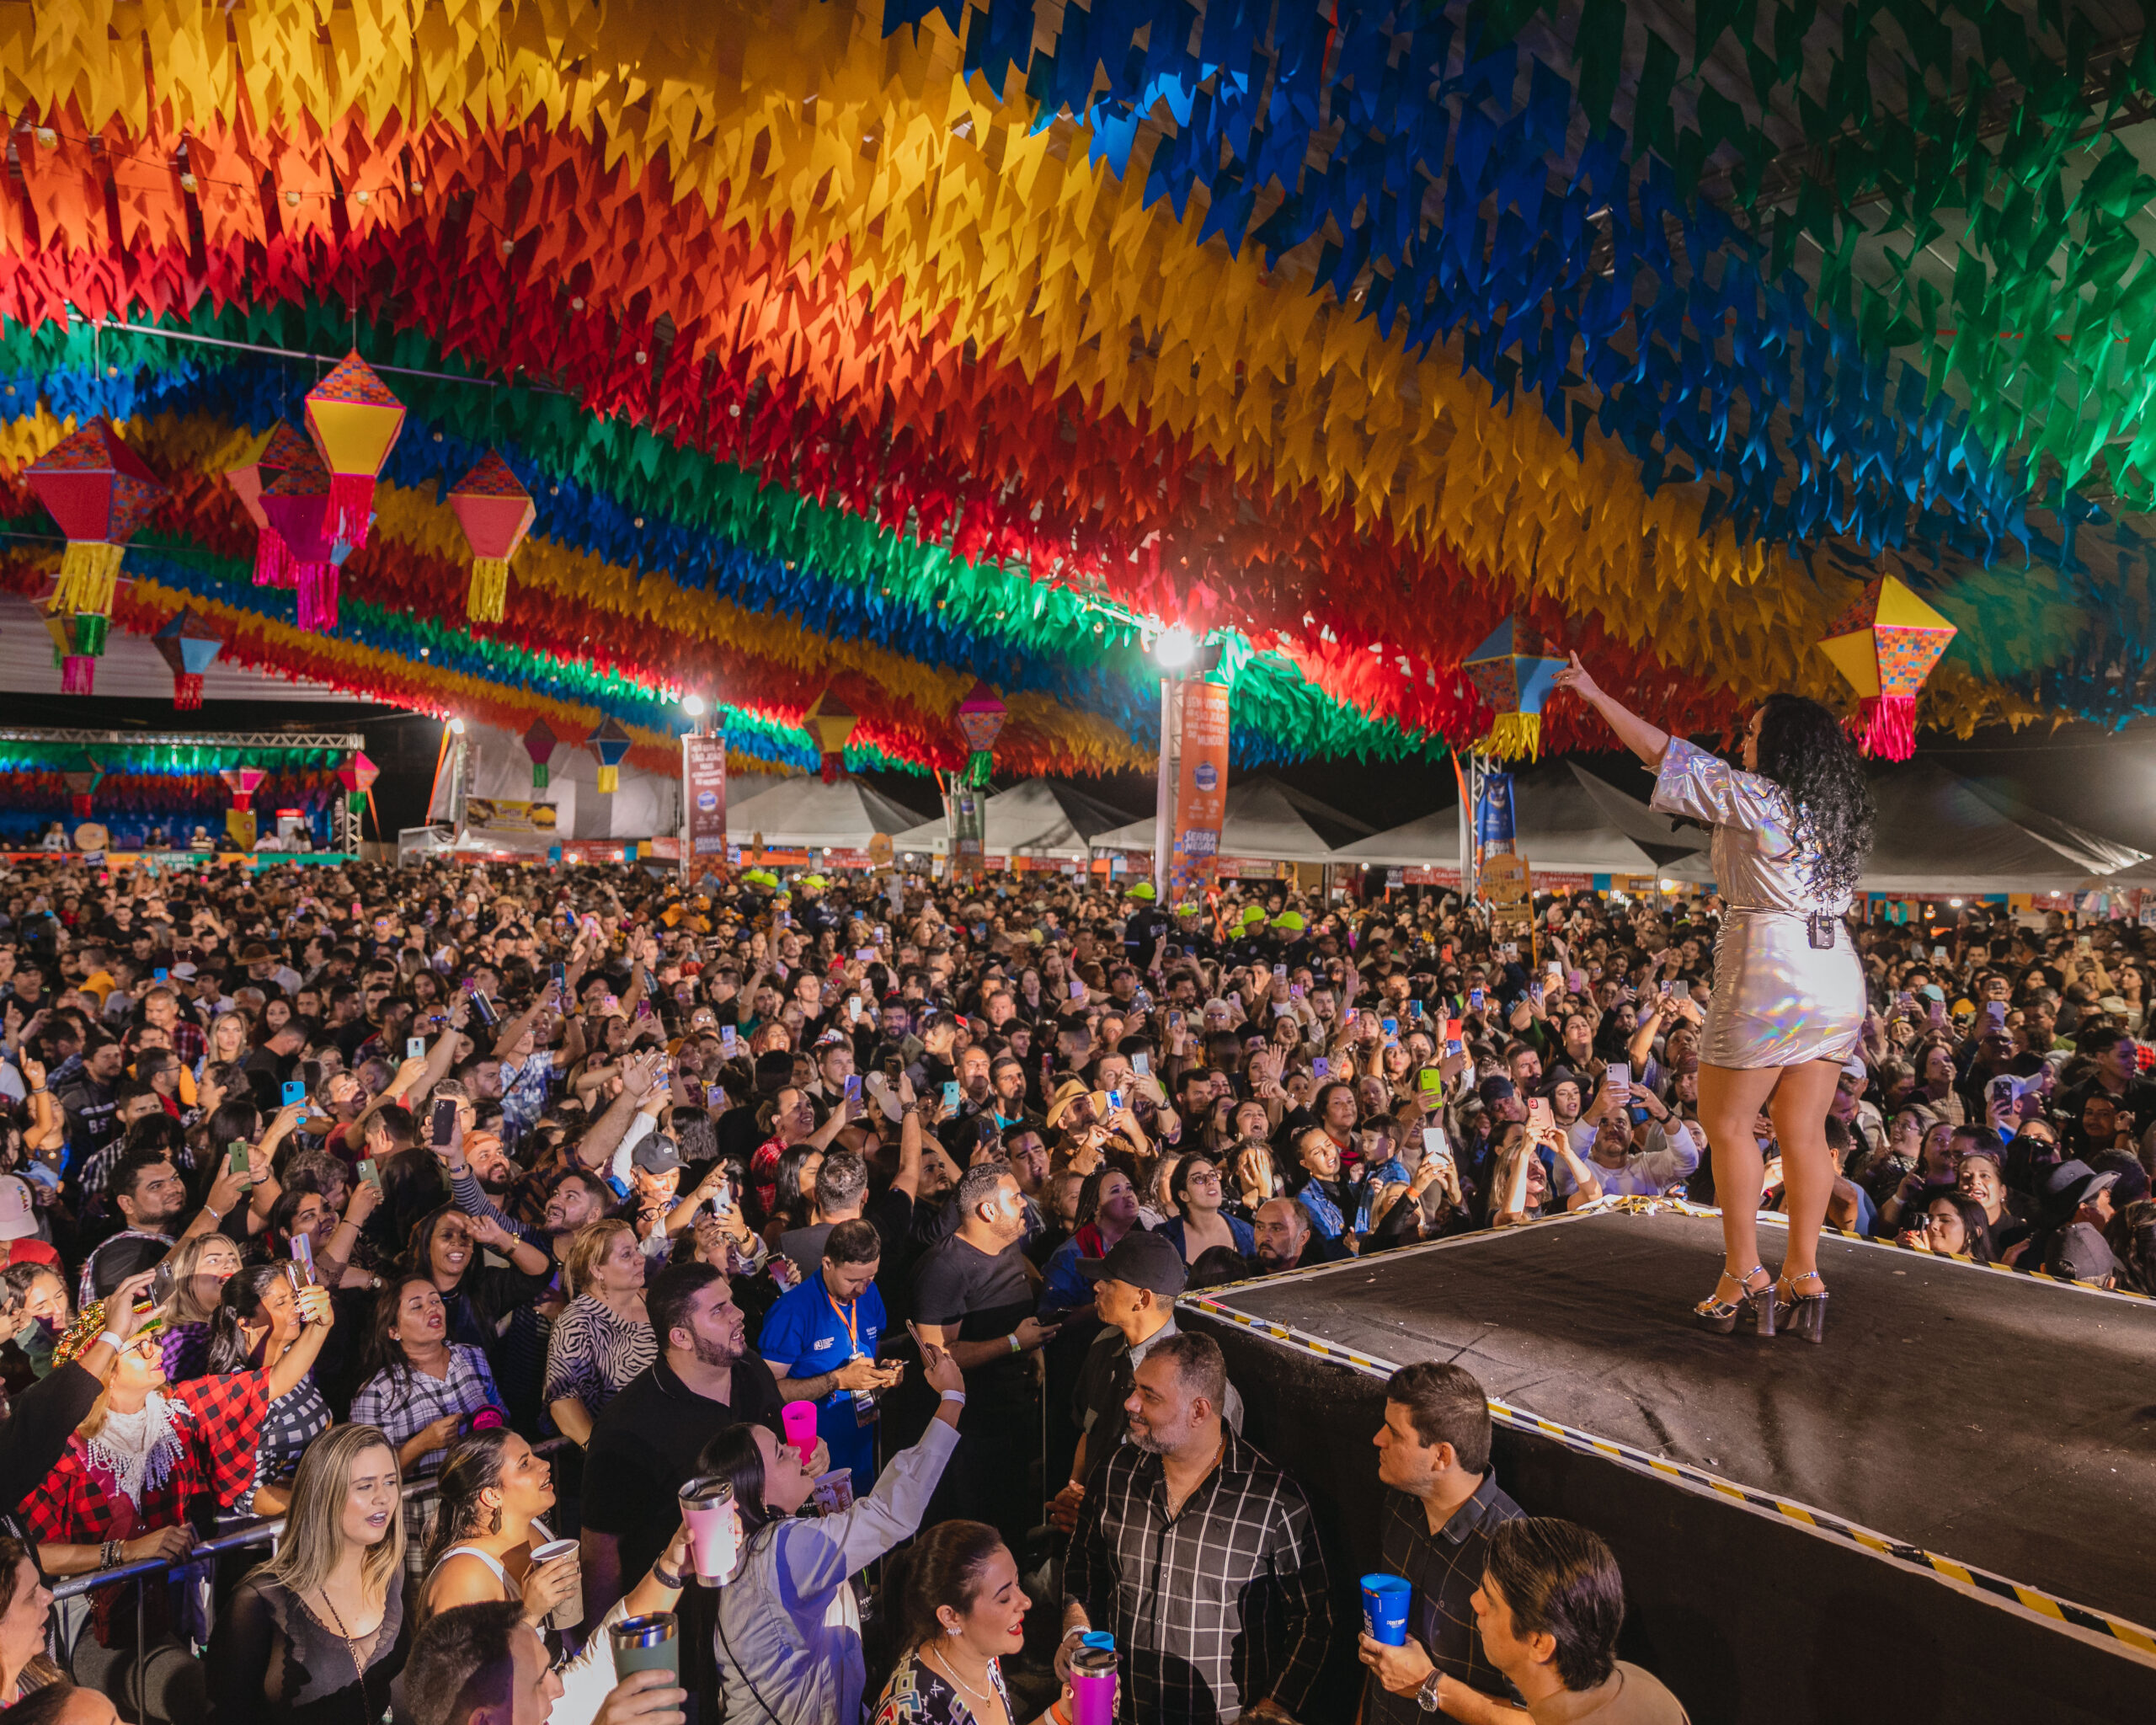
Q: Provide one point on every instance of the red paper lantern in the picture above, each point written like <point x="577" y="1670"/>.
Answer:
<point x="539" y="743"/>
<point x="99" y="491"/>
<point x="496" y="512"/>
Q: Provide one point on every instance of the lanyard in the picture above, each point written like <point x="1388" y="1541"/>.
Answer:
<point x="850" y="1316"/>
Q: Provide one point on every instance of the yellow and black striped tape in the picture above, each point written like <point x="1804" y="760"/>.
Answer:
<point x="2129" y="1636"/>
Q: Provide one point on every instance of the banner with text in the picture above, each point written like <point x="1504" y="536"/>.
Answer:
<point x="703" y="794"/>
<point x="1201" y="788"/>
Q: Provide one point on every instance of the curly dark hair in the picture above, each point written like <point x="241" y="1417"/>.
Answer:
<point x="1804" y="749"/>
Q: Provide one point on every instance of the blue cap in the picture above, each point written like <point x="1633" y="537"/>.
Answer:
<point x="1099" y="1640"/>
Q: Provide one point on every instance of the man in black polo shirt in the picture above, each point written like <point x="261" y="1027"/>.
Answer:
<point x="972" y="1296"/>
<point x="1433" y="1451"/>
<point x="645" y="1442"/>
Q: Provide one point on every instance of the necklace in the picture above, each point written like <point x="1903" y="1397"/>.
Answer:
<point x="951" y="1671"/>
<point x="351" y="1647"/>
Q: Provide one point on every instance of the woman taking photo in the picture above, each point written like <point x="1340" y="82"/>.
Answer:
<point x="789" y="1631"/>
<point x="1791" y="833"/>
<point x="493" y="1491"/>
<point x="257" y="1324"/>
<point x="602" y="1338"/>
<point x="1108" y="1209"/>
<point x="317" y="1633"/>
<point x="955" y="1611"/>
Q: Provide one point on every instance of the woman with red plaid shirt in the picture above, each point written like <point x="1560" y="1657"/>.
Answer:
<point x="136" y="1467"/>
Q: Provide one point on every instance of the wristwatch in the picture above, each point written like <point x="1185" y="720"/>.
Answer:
<point x="1426" y="1697"/>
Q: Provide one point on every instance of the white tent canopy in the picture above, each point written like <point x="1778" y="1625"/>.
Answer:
<point x="497" y="767"/>
<point x="1566" y="821"/>
<point x="806" y="814"/>
<point x="1042" y="817"/>
<point x="1265" y="821"/>
<point x="1939" y="833"/>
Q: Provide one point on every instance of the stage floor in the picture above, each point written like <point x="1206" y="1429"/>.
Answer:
<point x="1997" y="1421"/>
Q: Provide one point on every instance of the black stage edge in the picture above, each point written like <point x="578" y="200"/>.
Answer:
<point x="1793" y="1521"/>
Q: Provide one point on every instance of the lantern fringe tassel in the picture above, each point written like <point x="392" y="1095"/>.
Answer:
<point x="78" y="674"/>
<point x="351" y="507"/>
<point x="834" y="768"/>
<point x="489" y="589"/>
<point x="186" y="691"/>
<point x="609" y="780"/>
<point x="1885" y="726"/>
<point x="1513" y="736"/>
<point x="273" y="561"/>
<point x="318" y="600"/>
<point x="977" y="767"/>
<point x="538" y="775"/>
<point x="89" y="573"/>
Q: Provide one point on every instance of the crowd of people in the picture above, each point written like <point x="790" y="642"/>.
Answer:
<point x="456" y="1214"/>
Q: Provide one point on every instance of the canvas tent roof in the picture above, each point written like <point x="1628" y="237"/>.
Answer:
<point x="1041" y="817"/>
<point x="793" y="814"/>
<point x="1938" y="832"/>
<point x="132" y="670"/>
<point x="1566" y="820"/>
<point x="1266" y="821"/>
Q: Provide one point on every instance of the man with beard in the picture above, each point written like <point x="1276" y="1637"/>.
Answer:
<point x="645" y="1442"/>
<point x="1198" y="1555"/>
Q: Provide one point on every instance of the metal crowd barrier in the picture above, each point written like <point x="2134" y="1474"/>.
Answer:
<point x="264" y="1531"/>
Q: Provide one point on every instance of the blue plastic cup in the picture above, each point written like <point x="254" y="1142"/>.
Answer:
<point x="1384" y="1608"/>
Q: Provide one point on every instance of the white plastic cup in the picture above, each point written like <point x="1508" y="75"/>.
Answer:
<point x="570" y="1612"/>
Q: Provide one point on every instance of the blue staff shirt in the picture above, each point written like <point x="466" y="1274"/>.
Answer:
<point x="805" y="1336"/>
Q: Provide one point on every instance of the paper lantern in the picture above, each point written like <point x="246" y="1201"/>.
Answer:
<point x="357" y="776"/>
<point x="298" y="502"/>
<point x="495" y="512"/>
<point x="539" y="743"/>
<point x="77" y="641"/>
<point x="243" y="782"/>
<point x="80" y="786"/>
<point x="1886" y="645"/>
<point x="830" y="722"/>
<point x="610" y="744"/>
<point x="1514" y="673"/>
<point x="189" y="644"/>
<point x="277" y="451"/>
<point x="981" y="719"/>
<point x="354" y="421"/>
<point x="99" y="491"/>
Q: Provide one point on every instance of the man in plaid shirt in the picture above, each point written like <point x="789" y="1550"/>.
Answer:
<point x="1199" y="1555"/>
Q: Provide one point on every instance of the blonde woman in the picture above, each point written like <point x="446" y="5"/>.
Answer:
<point x="603" y="1338"/>
<point x="201" y="1265"/>
<point x="318" y="1632"/>
<point x="229" y="1037"/>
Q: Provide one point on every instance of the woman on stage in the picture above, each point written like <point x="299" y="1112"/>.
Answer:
<point x="1791" y="832"/>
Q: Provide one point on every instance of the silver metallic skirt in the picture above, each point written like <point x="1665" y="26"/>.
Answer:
<point x="1779" y="1000"/>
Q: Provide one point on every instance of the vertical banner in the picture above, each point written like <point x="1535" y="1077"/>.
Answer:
<point x="239" y="828"/>
<point x="968" y="806"/>
<point x="1494" y="826"/>
<point x="1201" y="788"/>
<point x="703" y="794"/>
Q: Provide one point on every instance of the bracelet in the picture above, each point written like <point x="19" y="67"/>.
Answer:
<point x="114" y="1340"/>
<point x="108" y="1554"/>
<point x="659" y="1575"/>
<point x="1015" y="1348"/>
<point x="956" y="1395"/>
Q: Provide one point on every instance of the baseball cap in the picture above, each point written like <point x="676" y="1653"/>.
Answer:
<point x="2114" y="1004"/>
<point x="2083" y="1255"/>
<point x="1290" y="921"/>
<point x="656" y="1155"/>
<point x="18" y="1215"/>
<point x="1141" y="1260"/>
<point x="1143" y="892"/>
<point x="2071" y="1184"/>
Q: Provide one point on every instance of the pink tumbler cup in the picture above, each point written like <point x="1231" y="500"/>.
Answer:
<point x="799" y="1418"/>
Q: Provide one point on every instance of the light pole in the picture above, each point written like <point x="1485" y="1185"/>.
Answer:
<point x="692" y="707"/>
<point x="1173" y="652"/>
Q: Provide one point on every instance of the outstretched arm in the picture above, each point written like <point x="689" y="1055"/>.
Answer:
<point x="1645" y="740"/>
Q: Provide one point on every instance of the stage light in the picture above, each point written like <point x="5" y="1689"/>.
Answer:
<point x="457" y="727"/>
<point x="1174" y="649"/>
<point x="1668" y="886"/>
<point x="693" y="705"/>
<point x="1956" y="903"/>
